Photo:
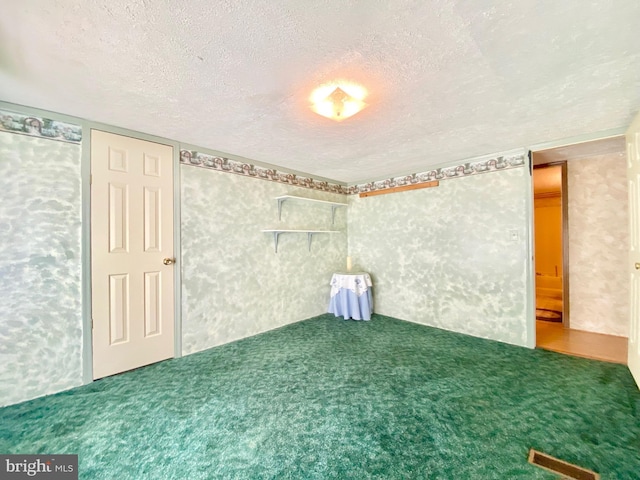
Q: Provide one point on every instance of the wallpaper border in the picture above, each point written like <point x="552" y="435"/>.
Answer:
<point x="224" y="164"/>
<point x="501" y="162"/>
<point x="37" y="126"/>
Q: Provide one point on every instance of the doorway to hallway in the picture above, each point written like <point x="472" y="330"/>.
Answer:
<point x="583" y="280"/>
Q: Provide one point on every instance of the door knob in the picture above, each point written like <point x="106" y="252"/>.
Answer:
<point x="637" y="265"/>
<point x="170" y="261"/>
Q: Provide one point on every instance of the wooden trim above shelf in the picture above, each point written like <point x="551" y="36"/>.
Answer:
<point x="400" y="189"/>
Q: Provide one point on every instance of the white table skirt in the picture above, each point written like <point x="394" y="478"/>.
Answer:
<point x="351" y="296"/>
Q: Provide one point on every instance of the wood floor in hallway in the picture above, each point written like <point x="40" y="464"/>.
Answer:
<point x="552" y="336"/>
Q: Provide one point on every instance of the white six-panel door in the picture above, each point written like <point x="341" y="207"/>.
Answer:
<point x="132" y="256"/>
<point x="633" y="177"/>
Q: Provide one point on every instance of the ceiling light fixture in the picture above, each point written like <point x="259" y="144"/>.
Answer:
<point x="338" y="101"/>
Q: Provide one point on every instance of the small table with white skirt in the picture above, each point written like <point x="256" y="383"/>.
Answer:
<point x="351" y="295"/>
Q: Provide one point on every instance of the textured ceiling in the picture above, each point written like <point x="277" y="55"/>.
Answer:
<point x="447" y="79"/>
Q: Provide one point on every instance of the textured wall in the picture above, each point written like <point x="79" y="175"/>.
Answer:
<point x="234" y="285"/>
<point x="40" y="312"/>
<point x="444" y="256"/>
<point x="598" y="244"/>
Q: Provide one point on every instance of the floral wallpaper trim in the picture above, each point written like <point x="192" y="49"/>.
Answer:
<point x="39" y="127"/>
<point x="445" y="173"/>
<point x="223" y="164"/>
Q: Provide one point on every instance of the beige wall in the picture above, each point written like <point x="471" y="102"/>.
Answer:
<point x="598" y="242"/>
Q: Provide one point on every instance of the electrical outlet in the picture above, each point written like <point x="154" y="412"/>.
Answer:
<point x="513" y="235"/>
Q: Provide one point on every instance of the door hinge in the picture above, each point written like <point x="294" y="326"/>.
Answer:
<point x="90" y="179"/>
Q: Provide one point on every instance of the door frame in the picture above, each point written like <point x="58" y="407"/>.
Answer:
<point x="87" y="323"/>
<point x="531" y="273"/>
<point x="633" y="352"/>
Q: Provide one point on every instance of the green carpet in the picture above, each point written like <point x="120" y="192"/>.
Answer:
<point x="328" y="398"/>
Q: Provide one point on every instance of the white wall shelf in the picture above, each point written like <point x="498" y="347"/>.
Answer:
<point x="333" y="205"/>
<point x="310" y="234"/>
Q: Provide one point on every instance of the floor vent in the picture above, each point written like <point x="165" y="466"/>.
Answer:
<point x="567" y="470"/>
